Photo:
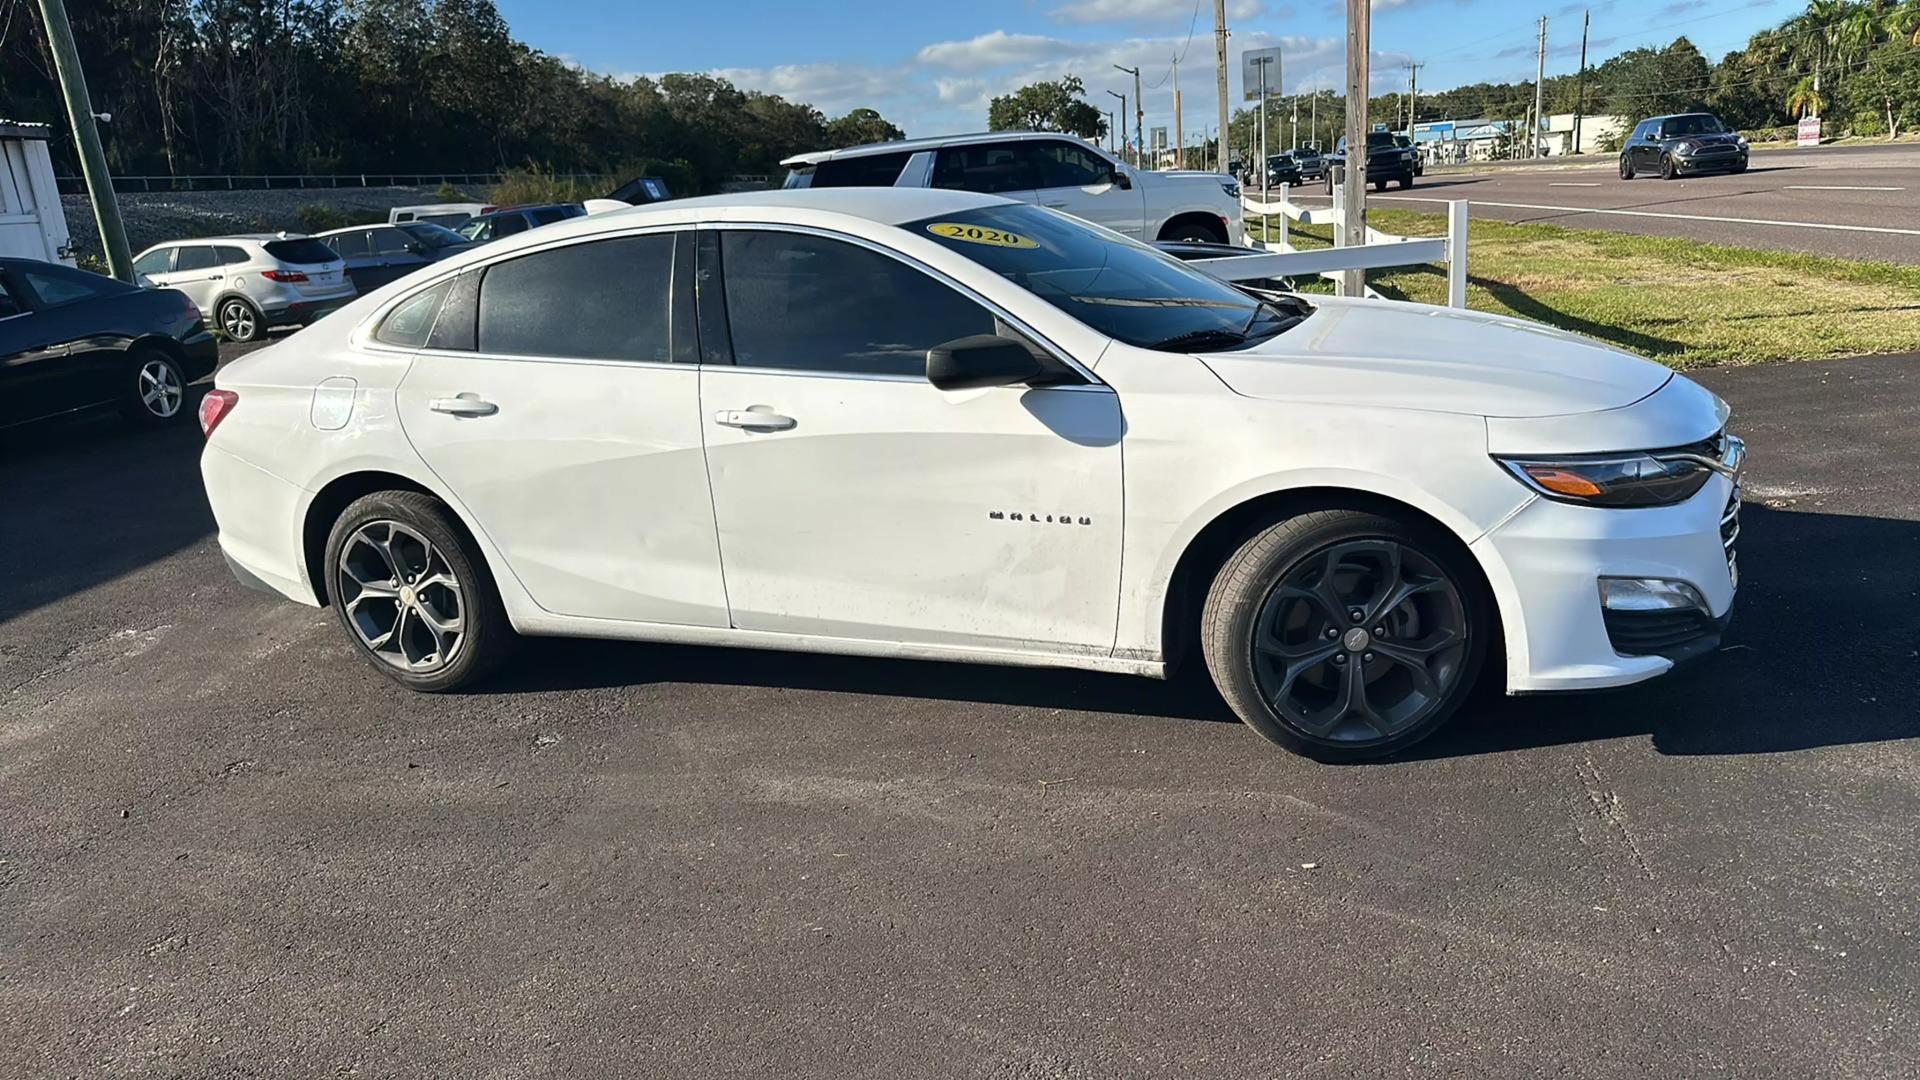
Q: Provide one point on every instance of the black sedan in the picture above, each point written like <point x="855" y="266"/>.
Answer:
<point x="72" y="340"/>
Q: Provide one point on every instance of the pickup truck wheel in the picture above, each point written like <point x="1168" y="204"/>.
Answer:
<point x="1193" y="231"/>
<point x="1345" y="635"/>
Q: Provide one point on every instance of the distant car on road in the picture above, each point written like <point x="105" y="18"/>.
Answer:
<point x="71" y="340"/>
<point x="377" y="254"/>
<point x="1673" y="146"/>
<point x="517" y="219"/>
<point x="1283" y="169"/>
<point x="939" y="425"/>
<point x="1387" y="162"/>
<point x="446" y="215"/>
<point x="247" y="283"/>
<point x="1047" y="168"/>
<point x="1312" y="163"/>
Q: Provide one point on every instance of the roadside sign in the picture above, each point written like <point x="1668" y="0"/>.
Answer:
<point x="1809" y="131"/>
<point x="1251" y="63"/>
<point x="1159" y="137"/>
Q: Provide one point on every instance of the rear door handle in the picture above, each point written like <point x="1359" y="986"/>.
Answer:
<point x="1055" y="205"/>
<point x="463" y="405"/>
<point x="758" y="418"/>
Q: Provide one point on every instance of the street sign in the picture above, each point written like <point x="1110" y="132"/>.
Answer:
<point x="1251" y="62"/>
<point x="1159" y="136"/>
<point x="1809" y="131"/>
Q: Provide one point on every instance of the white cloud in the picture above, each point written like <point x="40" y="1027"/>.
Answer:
<point x="1148" y="12"/>
<point x="991" y="50"/>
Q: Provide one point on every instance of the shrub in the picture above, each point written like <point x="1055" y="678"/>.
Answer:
<point x="317" y="217"/>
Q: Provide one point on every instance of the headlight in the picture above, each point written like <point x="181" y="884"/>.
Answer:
<point x="1686" y="146"/>
<point x="1619" y="480"/>
<point x="1743" y="142"/>
<point x="1232" y="189"/>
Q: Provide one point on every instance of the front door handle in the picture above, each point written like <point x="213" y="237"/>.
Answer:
<point x="757" y="418"/>
<point x="463" y="405"/>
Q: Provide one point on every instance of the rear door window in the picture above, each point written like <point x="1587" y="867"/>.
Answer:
<point x="865" y="170"/>
<point x="10" y="305"/>
<point x="349" y="245"/>
<point x="1062" y="164"/>
<point x="304" y="251"/>
<point x="988" y="168"/>
<point x="547" y="215"/>
<point x="390" y="241"/>
<point x="601" y="300"/>
<point x="231" y="256"/>
<point x="508" y="225"/>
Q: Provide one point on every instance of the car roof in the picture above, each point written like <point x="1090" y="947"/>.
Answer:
<point x="522" y="208"/>
<point x="909" y="146"/>
<point x="888" y="206"/>
<point x="357" y="228"/>
<point x="1676" y="116"/>
<point x="258" y="238"/>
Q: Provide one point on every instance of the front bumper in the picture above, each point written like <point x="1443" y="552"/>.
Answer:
<point x="1545" y="563"/>
<point x="1705" y="161"/>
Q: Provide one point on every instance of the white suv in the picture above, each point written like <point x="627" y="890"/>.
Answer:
<point x="244" y="284"/>
<point x="938" y="425"/>
<point x="1042" y="167"/>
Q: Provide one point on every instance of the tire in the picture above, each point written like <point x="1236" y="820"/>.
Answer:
<point x="155" y="390"/>
<point x="390" y="624"/>
<point x="1626" y="168"/>
<point x="1406" y="183"/>
<point x="239" y="320"/>
<point x="1193" y="231"/>
<point x="1260" y="590"/>
<point x="1667" y="169"/>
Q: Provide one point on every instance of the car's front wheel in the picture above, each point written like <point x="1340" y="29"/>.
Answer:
<point x="413" y="596"/>
<point x="1668" y="170"/>
<point x="1626" y="167"/>
<point x="156" y="390"/>
<point x="1345" y="635"/>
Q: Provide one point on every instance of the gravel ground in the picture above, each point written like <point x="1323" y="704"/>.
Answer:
<point x="229" y="849"/>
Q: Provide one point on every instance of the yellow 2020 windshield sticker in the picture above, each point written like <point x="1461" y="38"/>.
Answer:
<point x="980" y="234"/>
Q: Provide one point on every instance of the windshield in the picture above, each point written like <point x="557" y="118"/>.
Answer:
<point x="433" y="236"/>
<point x="1701" y="124"/>
<point x="1120" y="287"/>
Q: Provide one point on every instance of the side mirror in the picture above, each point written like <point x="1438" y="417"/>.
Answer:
<point x="1122" y="181"/>
<point x="970" y="363"/>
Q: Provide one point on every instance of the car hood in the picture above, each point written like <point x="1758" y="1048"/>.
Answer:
<point x="1417" y="356"/>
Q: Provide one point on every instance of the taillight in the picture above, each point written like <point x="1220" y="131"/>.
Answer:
<point x="283" y="276"/>
<point x="215" y="407"/>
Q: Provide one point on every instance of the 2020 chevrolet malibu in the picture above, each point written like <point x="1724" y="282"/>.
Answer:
<point x="934" y="424"/>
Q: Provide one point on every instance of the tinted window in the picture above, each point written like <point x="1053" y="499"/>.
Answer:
<point x="477" y="230"/>
<point x="231" y="256"/>
<point x="410" y="323"/>
<point x="349" y="245"/>
<point x="195" y="257"/>
<point x="547" y="215"/>
<point x="800" y="301"/>
<point x="434" y="236"/>
<point x="8" y="304"/>
<point x="605" y="300"/>
<point x="1700" y="124"/>
<point x="1121" y="288"/>
<point x="447" y="220"/>
<point x="157" y="261"/>
<point x="866" y="170"/>
<point x="302" y="252"/>
<point x="390" y="241"/>
<point x="56" y="287"/>
<point x="984" y="167"/>
<point x="1062" y="164"/>
<point x="507" y="226"/>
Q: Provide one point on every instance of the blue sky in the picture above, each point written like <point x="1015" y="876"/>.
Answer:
<point x="931" y="67"/>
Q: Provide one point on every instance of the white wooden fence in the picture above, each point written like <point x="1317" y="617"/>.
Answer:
<point x="1382" y="250"/>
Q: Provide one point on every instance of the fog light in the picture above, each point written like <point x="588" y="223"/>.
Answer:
<point x="1649" y="594"/>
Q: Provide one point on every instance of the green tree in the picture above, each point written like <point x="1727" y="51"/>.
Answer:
<point x="860" y="127"/>
<point x="1889" y="87"/>
<point x="1048" y="106"/>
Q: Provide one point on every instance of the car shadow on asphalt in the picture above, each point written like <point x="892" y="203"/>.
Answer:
<point x="1821" y="652"/>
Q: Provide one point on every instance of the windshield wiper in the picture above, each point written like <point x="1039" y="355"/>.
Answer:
<point x="1210" y="338"/>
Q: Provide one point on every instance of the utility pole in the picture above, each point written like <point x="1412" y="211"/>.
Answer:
<point x="1294" y="131"/>
<point x="1413" y="95"/>
<point x="1539" y="88"/>
<point x="1353" y="219"/>
<point x="1139" y="115"/>
<point x="1580" y="84"/>
<point x="1313" y="116"/>
<point x="1123" y="123"/>
<point x="1261" y="61"/>
<point x="1220" y="73"/>
<point x="93" y="160"/>
<point x="1109" y="129"/>
<point x="1179" y="132"/>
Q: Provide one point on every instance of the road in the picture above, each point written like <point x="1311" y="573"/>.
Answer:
<point x="1860" y="202"/>
<point x="229" y="849"/>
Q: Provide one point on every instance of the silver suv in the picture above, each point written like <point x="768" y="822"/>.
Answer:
<point x="244" y="284"/>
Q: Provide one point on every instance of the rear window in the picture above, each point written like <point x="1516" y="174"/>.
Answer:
<point x="58" y="285"/>
<point x="866" y="170"/>
<point x="409" y="324"/>
<point x="304" y="251"/>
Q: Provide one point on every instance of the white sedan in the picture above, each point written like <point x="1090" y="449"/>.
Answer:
<point x="939" y="425"/>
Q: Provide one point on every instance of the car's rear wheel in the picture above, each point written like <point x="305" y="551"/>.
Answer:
<point x="411" y="593"/>
<point x="156" y="392"/>
<point x="1345" y="635"/>
<point x="240" y="321"/>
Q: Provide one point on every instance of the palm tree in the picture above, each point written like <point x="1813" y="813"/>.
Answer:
<point x="1902" y="22"/>
<point x="1806" y="98"/>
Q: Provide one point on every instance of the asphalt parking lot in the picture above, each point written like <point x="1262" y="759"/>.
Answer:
<point x="228" y="848"/>
<point x="1856" y="202"/>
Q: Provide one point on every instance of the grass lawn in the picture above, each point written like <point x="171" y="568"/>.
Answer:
<point x="1682" y="303"/>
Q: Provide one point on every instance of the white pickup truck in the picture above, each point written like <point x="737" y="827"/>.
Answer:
<point x="1046" y="168"/>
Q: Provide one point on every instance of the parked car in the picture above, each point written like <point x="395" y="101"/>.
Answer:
<point x="72" y="340"/>
<point x="1387" y="162"/>
<point x="445" y="215"/>
<point x="1047" y="168"/>
<point x="245" y="284"/>
<point x="893" y="420"/>
<point x="1673" y="146"/>
<point x="517" y="219"/>
<point x="641" y="190"/>
<point x="377" y="254"/>
<point x="1419" y="161"/>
